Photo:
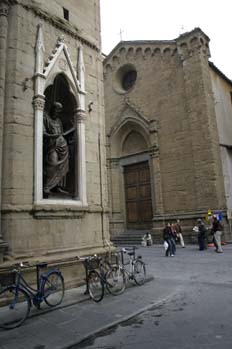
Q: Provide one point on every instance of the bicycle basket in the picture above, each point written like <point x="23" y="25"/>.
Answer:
<point x="112" y="258"/>
<point x="93" y="263"/>
<point x="7" y="278"/>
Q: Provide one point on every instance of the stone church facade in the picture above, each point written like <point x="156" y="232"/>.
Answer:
<point x="168" y="125"/>
<point x="51" y="52"/>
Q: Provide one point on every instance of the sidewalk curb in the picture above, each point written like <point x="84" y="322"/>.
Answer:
<point x="117" y="322"/>
<point x="82" y="298"/>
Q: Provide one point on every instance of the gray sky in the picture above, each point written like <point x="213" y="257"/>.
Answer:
<point x="166" y="20"/>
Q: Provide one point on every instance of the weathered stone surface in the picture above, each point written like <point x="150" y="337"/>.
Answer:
<point x="53" y="230"/>
<point x="174" y="86"/>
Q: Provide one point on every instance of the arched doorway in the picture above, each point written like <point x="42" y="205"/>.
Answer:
<point x="60" y="92"/>
<point x="138" y="195"/>
<point x="137" y="182"/>
<point x="131" y="182"/>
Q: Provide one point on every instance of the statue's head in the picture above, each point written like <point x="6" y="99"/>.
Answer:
<point x="56" y="109"/>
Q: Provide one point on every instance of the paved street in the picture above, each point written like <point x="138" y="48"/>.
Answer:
<point x="187" y="304"/>
<point x="197" y="316"/>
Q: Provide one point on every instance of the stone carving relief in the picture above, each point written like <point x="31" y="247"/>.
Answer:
<point x="4" y="8"/>
<point x="63" y="64"/>
<point x="56" y="152"/>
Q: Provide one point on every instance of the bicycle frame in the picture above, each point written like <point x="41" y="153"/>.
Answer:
<point x="132" y="260"/>
<point x="130" y="271"/>
<point x="21" y="282"/>
<point x="18" y="296"/>
<point x="34" y="293"/>
<point x="88" y="267"/>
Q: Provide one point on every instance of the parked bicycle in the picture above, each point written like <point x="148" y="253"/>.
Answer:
<point x="17" y="297"/>
<point x="101" y="274"/>
<point x="134" y="268"/>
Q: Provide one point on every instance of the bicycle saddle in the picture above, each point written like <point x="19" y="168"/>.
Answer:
<point x="131" y="253"/>
<point x="42" y="265"/>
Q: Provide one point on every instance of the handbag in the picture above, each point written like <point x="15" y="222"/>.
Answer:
<point x="165" y="245"/>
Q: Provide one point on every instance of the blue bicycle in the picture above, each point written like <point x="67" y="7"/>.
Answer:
<point x="17" y="297"/>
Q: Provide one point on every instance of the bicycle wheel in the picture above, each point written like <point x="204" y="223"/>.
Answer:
<point x="53" y="289"/>
<point x="115" y="280"/>
<point x="139" y="272"/>
<point x="95" y="286"/>
<point x="15" y="306"/>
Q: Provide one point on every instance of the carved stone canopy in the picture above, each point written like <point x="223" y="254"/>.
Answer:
<point x="59" y="62"/>
<point x="57" y="77"/>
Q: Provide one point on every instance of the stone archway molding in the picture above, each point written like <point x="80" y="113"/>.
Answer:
<point x="130" y="118"/>
<point x="130" y="114"/>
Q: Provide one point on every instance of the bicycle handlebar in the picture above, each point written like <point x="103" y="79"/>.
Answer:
<point x="128" y="249"/>
<point x="89" y="258"/>
<point x="26" y="264"/>
<point x="20" y="265"/>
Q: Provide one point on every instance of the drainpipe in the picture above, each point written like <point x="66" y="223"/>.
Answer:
<point x="4" y="11"/>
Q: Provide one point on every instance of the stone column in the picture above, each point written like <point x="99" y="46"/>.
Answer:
<point x="81" y="194"/>
<point x="158" y="210"/>
<point x="4" y="10"/>
<point x="39" y="102"/>
<point x="157" y="180"/>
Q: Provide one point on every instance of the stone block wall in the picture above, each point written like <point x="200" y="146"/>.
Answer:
<point x="47" y="231"/>
<point x="173" y="89"/>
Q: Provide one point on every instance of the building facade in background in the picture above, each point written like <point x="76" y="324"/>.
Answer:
<point x="169" y="134"/>
<point x="53" y="184"/>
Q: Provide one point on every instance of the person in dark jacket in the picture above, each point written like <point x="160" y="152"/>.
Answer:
<point x="167" y="236"/>
<point x="202" y="235"/>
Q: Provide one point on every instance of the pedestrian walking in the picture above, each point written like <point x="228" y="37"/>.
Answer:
<point x="217" y="229"/>
<point x="179" y="233"/>
<point x="173" y="237"/>
<point x="167" y="236"/>
<point x="202" y="235"/>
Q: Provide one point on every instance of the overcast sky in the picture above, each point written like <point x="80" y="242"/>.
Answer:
<point x="166" y="20"/>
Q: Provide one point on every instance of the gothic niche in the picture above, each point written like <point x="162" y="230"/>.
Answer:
<point x="59" y="141"/>
<point x="134" y="143"/>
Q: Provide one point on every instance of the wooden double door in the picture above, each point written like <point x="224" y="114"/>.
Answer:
<point x="138" y="196"/>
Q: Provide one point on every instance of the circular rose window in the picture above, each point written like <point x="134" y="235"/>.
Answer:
<point x="125" y="78"/>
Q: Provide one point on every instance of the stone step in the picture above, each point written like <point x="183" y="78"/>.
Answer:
<point x="129" y="238"/>
<point x="134" y="237"/>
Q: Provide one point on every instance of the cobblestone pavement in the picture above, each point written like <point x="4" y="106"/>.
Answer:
<point x="79" y="318"/>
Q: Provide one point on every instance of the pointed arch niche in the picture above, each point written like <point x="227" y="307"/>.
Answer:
<point x="131" y="189"/>
<point x="56" y="81"/>
<point x="129" y="137"/>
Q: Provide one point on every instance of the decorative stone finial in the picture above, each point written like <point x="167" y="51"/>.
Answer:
<point x="39" y="49"/>
<point x="81" y="68"/>
<point x="60" y="40"/>
<point x="4" y="8"/>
